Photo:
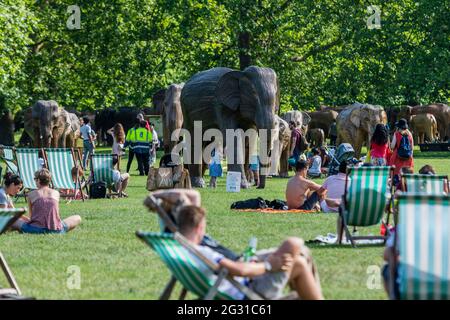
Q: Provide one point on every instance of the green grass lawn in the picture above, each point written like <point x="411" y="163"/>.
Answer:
<point x="114" y="264"/>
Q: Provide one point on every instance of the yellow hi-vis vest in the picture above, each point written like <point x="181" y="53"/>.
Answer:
<point x="143" y="140"/>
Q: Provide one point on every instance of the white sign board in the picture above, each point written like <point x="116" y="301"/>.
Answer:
<point x="233" y="181"/>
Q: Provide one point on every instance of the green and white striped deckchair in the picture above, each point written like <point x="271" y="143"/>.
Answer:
<point x="60" y="162"/>
<point x="194" y="271"/>
<point x="102" y="168"/>
<point x="430" y="184"/>
<point x="7" y="218"/>
<point x="423" y="239"/>
<point x="365" y="200"/>
<point x="28" y="164"/>
<point x="7" y="155"/>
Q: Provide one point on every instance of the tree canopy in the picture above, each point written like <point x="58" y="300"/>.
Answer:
<point x="323" y="51"/>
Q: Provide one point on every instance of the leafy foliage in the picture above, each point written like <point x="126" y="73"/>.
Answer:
<point x="323" y="51"/>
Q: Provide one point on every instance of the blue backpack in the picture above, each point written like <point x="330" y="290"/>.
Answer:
<point x="404" y="150"/>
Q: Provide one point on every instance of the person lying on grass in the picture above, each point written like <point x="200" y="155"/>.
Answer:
<point x="302" y="193"/>
<point x="268" y="277"/>
<point x="43" y="209"/>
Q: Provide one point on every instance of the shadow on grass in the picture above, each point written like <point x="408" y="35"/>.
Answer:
<point x="432" y="155"/>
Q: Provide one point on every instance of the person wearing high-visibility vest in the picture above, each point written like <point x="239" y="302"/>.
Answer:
<point x="142" y="148"/>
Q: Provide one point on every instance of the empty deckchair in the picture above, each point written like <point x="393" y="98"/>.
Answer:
<point x="364" y="201"/>
<point x="423" y="241"/>
<point x="7" y="155"/>
<point x="28" y="164"/>
<point x="7" y="218"/>
<point x="430" y="184"/>
<point x="60" y="163"/>
<point x="102" y="169"/>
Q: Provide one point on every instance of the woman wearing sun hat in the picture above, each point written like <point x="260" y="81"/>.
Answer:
<point x="397" y="160"/>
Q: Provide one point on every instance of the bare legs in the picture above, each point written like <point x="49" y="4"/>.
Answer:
<point x="72" y="222"/>
<point x="301" y="275"/>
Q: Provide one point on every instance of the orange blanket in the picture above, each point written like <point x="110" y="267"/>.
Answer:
<point x="275" y="211"/>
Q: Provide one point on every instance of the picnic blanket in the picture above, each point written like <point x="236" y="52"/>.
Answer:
<point x="270" y="210"/>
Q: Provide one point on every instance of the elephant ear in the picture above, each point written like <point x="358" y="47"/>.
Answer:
<point x="355" y="117"/>
<point x="227" y="90"/>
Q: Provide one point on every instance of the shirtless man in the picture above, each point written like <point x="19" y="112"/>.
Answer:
<point x="302" y="193"/>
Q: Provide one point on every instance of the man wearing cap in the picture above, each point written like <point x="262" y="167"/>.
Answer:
<point x="396" y="160"/>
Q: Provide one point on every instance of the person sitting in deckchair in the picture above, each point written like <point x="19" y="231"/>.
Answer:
<point x="268" y="277"/>
<point x="76" y="172"/>
<point x="120" y="179"/>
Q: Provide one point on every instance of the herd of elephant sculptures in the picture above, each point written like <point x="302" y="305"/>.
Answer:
<point x="223" y="99"/>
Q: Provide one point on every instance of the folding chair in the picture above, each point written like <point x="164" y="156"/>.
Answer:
<point x="8" y="156"/>
<point x="102" y="170"/>
<point x="364" y="202"/>
<point x="423" y="241"/>
<point x="28" y="164"/>
<point x="60" y="162"/>
<point x="196" y="273"/>
<point x="7" y="218"/>
<point x="430" y="184"/>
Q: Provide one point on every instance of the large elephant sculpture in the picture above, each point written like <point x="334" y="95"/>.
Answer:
<point x="281" y="150"/>
<point x="424" y="128"/>
<point x="222" y="99"/>
<point x="172" y="116"/>
<point x="322" y="120"/>
<point x="356" y="124"/>
<point x="49" y="125"/>
<point x="316" y="137"/>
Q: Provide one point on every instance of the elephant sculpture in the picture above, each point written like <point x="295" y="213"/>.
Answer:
<point x="316" y="137"/>
<point x="424" y="127"/>
<point x="222" y="99"/>
<point x="322" y="120"/>
<point x="281" y="150"/>
<point x="356" y="124"/>
<point x="49" y="125"/>
<point x="172" y="116"/>
<point x="439" y="110"/>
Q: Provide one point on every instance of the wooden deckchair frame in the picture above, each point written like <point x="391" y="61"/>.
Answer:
<point x="13" y="291"/>
<point x="155" y="204"/>
<point x="344" y="226"/>
<point x="79" y="180"/>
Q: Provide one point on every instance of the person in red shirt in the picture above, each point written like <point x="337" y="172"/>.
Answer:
<point x="398" y="162"/>
<point x="379" y="146"/>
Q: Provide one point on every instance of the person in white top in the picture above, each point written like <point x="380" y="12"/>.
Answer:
<point x="316" y="164"/>
<point x="290" y="263"/>
<point x="155" y="145"/>
<point x="118" y="135"/>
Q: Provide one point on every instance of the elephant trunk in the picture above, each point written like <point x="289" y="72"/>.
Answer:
<point x="45" y="137"/>
<point x="266" y="152"/>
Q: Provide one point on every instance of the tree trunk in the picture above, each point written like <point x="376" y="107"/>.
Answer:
<point x="245" y="59"/>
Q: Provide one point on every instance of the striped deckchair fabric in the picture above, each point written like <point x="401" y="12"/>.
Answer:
<point x="365" y="198"/>
<point x="60" y="162"/>
<point x="192" y="272"/>
<point x="28" y="163"/>
<point x="424" y="245"/>
<point x="430" y="184"/>
<point x="102" y="168"/>
<point x="7" y="155"/>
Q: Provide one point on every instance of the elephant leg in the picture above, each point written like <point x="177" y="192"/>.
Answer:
<point x="358" y="145"/>
<point x="284" y="171"/>
<point x="196" y="166"/>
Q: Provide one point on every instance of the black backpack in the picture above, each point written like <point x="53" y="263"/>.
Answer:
<point x="98" y="190"/>
<point x="257" y="203"/>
